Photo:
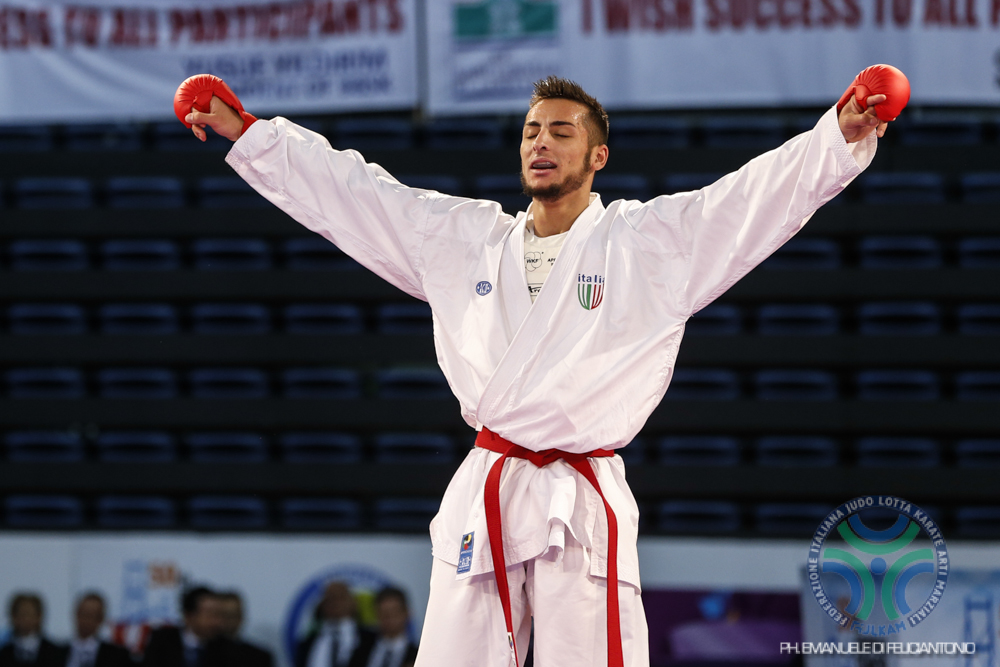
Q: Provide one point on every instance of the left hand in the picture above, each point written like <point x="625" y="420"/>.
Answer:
<point x="857" y="123"/>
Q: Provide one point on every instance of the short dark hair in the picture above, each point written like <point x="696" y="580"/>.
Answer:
<point x="192" y="597"/>
<point x="26" y="598"/>
<point x="390" y="592"/>
<point x="554" y="87"/>
<point x="91" y="595"/>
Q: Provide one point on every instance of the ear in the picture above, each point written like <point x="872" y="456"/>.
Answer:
<point x="599" y="157"/>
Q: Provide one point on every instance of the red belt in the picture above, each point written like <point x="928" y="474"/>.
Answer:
<point x="493" y="442"/>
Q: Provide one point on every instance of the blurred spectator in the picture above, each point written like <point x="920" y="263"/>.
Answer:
<point x="27" y="645"/>
<point x="336" y="640"/>
<point x="199" y="643"/>
<point x="393" y="647"/>
<point x="86" y="649"/>
<point x="232" y="619"/>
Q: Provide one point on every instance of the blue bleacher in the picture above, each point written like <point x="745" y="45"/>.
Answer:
<point x="716" y="319"/>
<point x="698" y="516"/>
<point x="103" y="137"/>
<point x="25" y="138"/>
<point x="978" y="452"/>
<point x="613" y="187"/>
<point x="412" y="383"/>
<point x="323" y="318"/>
<point x="174" y="136"/>
<point x="634" y="453"/>
<point x="898" y="385"/>
<point x="789" y="519"/>
<point x="978" y="386"/>
<point x="902" y="188"/>
<point x="704" y="384"/>
<point x="478" y="134"/>
<point x="145" y="192"/>
<point x="448" y="185"/>
<point x="980" y="252"/>
<point x="228" y="383"/>
<point x="224" y="192"/>
<point x="896" y="452"/>
<point x="414" y="448"/>
<point x="43" y="511"/>
<point x="373" y="134"/>
<point x="230" y="318"/>
<point x="795" y="385"/>
<point x="336" y="383"/>
<point x="231" y="254"/>
<point x="46" y="383"/>
<point x="650" y="133"/>
<point x="44" y="447"/>
<point x="227" y="512"/>
<point x="404" y="318"/>
<point x="688" y="182"/>
<point x="136" y="447"/>
<point x="899" y="318"/>
<point x="805" y="254"/>
<point x="978" y="522"/>
<point x="30" y="319"/>
<point x="320" y="447"/>
<point x="698" y="450"/>
<point x="315" y="253"/>
<point x="405" y="514"/>
<point x="796" y="450"/>
<point x="145" y="512"/>
<point x="980" y="188"/>
<point x="812" y="319"/>
<point x="936" y="129"/>
<point x="48" y="255"/>
<point x="320" y="514"/>
<point x="900" y="252"/>
<point x="979" y="319"/>
<point x="137" y="383"/>
<point x="227" y="447"/>
<point x="131" y="319"/>
<point x="140" y="255"/>
<point x="53" y="192"/>
<point x="758" y="132"/>
<point x="505" y="189"/>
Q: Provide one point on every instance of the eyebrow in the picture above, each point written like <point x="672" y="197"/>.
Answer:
<point x="535" y="123"/>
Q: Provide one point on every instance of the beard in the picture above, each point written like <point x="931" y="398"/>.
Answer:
<point x="553" y="191"/>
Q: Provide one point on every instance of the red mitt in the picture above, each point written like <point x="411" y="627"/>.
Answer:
<point x="197" y="91"/>
<point x="879" y="80"/>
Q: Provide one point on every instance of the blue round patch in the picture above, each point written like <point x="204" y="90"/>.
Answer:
<point x="484" y="288"/>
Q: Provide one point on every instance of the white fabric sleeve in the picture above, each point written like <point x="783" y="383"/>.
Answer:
<point x="358" y="206"/>
<point x="727" y="228"/>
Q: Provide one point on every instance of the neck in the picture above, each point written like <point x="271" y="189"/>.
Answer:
<point x="557" y="216"/>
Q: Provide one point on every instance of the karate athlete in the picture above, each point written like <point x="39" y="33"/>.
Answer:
<point x="558" y="377"/>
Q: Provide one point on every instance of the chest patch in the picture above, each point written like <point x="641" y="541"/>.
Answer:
<point x="590" y="290"/>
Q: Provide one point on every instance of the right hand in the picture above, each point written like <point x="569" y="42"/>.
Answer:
<point x="221" y="117"/>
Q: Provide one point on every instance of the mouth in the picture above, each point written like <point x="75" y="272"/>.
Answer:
<point x="541" y="166"/>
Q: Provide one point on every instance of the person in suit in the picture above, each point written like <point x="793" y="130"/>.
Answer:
<point x="393" y="647"/>
<point x="336" y="639"/>
<point x="87" y="649"/>
<point x="199" y="643"/>
<point x="27" y="645"/>
<point x="249" y="654"/>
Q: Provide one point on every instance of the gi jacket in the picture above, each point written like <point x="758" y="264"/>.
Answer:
<point x="584" y="366"/>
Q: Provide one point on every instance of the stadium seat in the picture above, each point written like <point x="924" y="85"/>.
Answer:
<point x="46" y="383"/>
<point x="716" y="319"/>
<point x="898" y="385"/>
<point x="404" y="318"/>
<point x="978" y="386"/>
<point x="699" y="450"/>
<point x="448" y="185"/>
<point x="703" y="384"/>
<point x="30" y="319"/>
<point x="140" y="255"/>
<point x="232" y="254"/>
<point x="505" y="189"/>
<point x="320" y="514"/>
<point x="478" y="134"/>
<point x="25" y="138"/>
<point x="136" y="512"/>
<point x="758" y="132"/>
<point x="103" y="137"/>
<point x="173" y="136"/>
<point x="650" y="133"/>
<point x="811" y="319"/>
<point x="899" y="318"/>
<point x="145" y="192"/>
<point x="978" y="522"/>
<point x="405" y="514"/>
<point x="227" y="512"/>
<point x="373" y="134"/>
<point x="48" y="255"/>
<point x="230" y="318"/>
<point x="137" y="383"/>
<point x="43" y="511"/>
<point x="412" y="383"/>
<point x="339" y="383"/>
<point x="227" y="447"/>
<point x="980" y="188"/>
<point x="935" y="129"/>
<point x="891" y="452"/>
<point x="320" y="447"/>
<point x="977" y="453"/>
<point x="53" y="193"/>
<point x="44" y="447"/>
<point x="902" y="188"/>
<point x="981" y="252"/>
<point x="687" y="182"/>
<point x="796" y="450"/>
<point x="979" y="319"/>
<point x="129" y="319"/>
<point x="323" y="318"/>
<point x="136" y="447"/>
<point x="613" y="187"/>
<point x="900" y="252"/>
<point x="228" y="383"/>
<point x="222" y="192"/>
<point x="698" y="517"/>
<point x="795" y="385"/>
<point x="315" y="253"/>
<point x="414" y="448"/>
<point x="789" y="519"/>
<point x="805" y="254"/>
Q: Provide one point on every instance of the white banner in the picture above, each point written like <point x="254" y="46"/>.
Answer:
<point x="636" y="54"/>
<point x="123" y="59"/>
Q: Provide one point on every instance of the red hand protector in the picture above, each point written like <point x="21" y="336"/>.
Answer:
<point x="196" y="92"/>
<point x="879" y="80"/>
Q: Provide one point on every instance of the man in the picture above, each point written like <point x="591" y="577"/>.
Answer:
<point x="393" y="647"/>
<point x="27" y="645"/>
<point x="531" y="519"/>
<point x="337" y="640"/>
<point x="87" y="649"/>
<point x="199" y="642"/>
<point x="231" y="605"/>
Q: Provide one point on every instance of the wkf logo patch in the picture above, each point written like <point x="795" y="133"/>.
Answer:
<point x="590" y="290"/>
<point x="465" y="555"/>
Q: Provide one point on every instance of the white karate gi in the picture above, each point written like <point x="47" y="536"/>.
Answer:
<point x="553" y="374"/>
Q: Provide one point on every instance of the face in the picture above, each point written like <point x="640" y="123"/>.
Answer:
<point x="232" y="616"/>
<point x="26" y="619"/>
<point x="89" y="617"/>
<point x="206" y="621"/>
<point x="556" y="159"/>
<point x="392" y="617"/>
<point x="338" y="603"/>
